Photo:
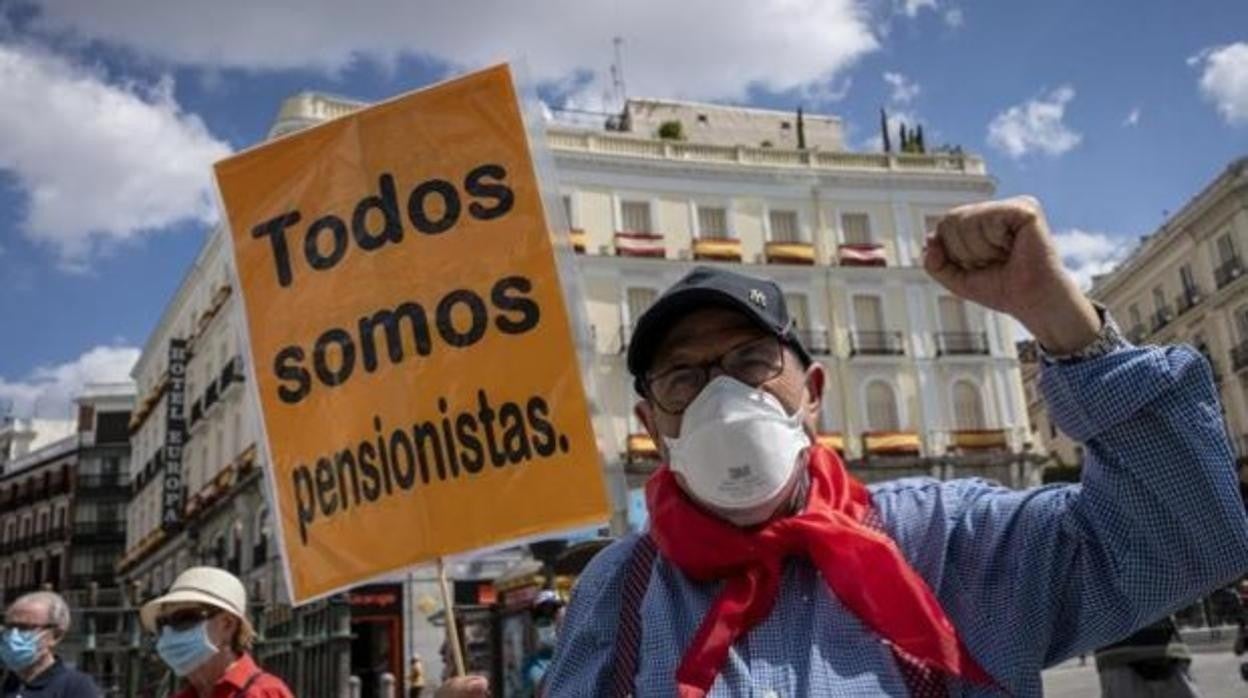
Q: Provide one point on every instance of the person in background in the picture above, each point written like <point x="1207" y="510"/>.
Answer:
<point x="416" y="682"/>
<point x="1153" y="661"/>
<point x="203" y="635"/>
<point x="546" y="608"/>
<point x="34" y="625"/>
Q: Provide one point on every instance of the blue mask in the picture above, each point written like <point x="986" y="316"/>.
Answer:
<point x="19" y="649"/>
<point x="185" y="650"/>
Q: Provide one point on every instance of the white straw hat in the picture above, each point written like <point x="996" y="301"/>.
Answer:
<point x="210" y="586"/>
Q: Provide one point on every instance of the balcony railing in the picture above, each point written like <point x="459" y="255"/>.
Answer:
<point x="816" y="341"/>
<point x="862" y="255"/>
<point x="624" y="144"/>
<point x="1188" y="299"/>
<point x="1228" y="271"/>
<point x="106" y="482"/>
<point x="961" y="343"/>
<point x="626" y="333"/>
<point x="789" y="253"/>
<point x="876" y="344"/>
<point x="1239" y="357"/>
<point x="231" y="375"/>
<point x="891" y="443"/>
<point x="210" y="396"/>
<point x="965" y="440"/>
<point x="1162" y="317"/>
<point x="100" y="531"/>
<point x="719" y="249"/>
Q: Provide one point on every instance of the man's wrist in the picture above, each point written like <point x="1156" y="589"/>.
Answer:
<point x="1107" y="340"/>
<point x="1069" y="332"/>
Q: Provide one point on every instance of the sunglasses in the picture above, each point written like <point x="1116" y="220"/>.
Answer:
<point x="185" y="619"/>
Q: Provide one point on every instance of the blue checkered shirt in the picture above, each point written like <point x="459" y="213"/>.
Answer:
<point x="1029" y="578"/>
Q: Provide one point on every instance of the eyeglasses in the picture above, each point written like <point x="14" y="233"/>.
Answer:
<point x="185" y="619"/>
<point x="753" y="362"/>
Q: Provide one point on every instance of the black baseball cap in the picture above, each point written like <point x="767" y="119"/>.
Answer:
<point x="760" y="300"/>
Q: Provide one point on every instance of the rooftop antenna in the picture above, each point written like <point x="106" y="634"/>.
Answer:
<point x="617" y="71"/>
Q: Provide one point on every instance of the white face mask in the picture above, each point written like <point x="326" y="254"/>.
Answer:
<point x="738" y="450"/>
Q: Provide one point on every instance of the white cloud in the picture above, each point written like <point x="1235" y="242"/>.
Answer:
<point x="98" y="162"/>
<point x="904" y="91"/>
<point x="954" y="18"/>
<point x="1224" y="80"/>
<point x="778" y="45"/>
<point x="49" y="390"/>
<point x="1133" y="117"/>
<point x="1087" y="254"/>
<point x="911" y="7"/>
<point x="1035" y="126"/>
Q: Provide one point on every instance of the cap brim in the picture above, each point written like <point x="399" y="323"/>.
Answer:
<point x="658" y="320"/>
<point x="151" y="610"/>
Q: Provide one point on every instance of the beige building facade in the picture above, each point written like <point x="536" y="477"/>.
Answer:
<point x="1185" y="284"/>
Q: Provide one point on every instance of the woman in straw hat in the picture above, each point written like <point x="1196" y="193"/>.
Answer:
<point x="203" y="635"/>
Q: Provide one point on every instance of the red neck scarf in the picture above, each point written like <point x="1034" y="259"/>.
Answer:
<point x="861" y="566"/>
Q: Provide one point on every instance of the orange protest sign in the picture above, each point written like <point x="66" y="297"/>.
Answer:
<point x="413" y="356"/>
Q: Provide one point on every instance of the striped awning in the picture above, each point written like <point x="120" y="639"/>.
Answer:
<point x="641" y="446"/>
<point x="726" y="249"/>
<point x="862" y="256"/>
<point x="832" y="440"/>
<point x="891" y="443"/>
<point x="980" y="439"/>
<point x="639" y="245"/>
<point x="790" y="253"/>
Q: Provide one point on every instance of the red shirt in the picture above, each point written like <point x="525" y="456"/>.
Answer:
<point x="240" y="672"/>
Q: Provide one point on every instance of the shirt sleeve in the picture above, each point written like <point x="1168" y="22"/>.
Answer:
<point x="1033" y="577"/>
<point x="586" y="640"/>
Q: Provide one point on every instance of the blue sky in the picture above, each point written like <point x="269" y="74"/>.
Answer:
<point x="112" y="113"/>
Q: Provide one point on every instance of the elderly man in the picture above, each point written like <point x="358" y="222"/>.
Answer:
<point x="768" y="570"/>
<point x="203" y="635"/>
<point x="33" y="626"/>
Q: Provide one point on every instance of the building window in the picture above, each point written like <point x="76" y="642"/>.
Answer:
<point x="882" y="407"/>
<point x="635" y="216"/>
<point x="868" y="314"/>
<point x="1226" y="249"/>
<point x="784" y="226"/>
<point x="856" y="228"/>
<point x="260" y="553"/>
<point x="1187" y="278"/>
<point x="799" y="309"/>
<point x="639" y="300"/>
<point x="235" y="564"/>
<point x="953" y="315"/>
<point x="1134" y="313"/>
<point x="567" y="208"/>
<point x="968" y="406"/>
<point x="1241" y="323"/>
<point x="712" y="222"/>
<point x="1159" y="300"/>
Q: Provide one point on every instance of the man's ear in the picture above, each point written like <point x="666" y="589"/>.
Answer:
<point x="816" y="380"/>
